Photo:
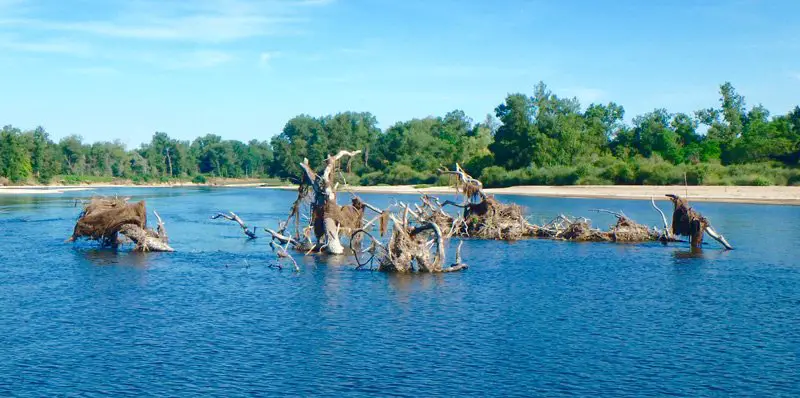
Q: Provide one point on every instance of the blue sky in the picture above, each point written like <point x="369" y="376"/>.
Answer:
<point x="109" y="69"/>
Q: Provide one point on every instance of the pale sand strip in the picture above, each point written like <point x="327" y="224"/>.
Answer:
<point x="733" y="194"/>
<point x="44" y="191"/>
<point x="730" y="194"/>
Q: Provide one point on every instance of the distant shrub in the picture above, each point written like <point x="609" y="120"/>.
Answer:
<point x="401" y="174"/>
<point x="793" y="177"/>
<point x="594" y="180"/>
<point x="477" y="164"/>
<point x="494" y="176"/>
<point x="656" y="171"/>
<point x="557" y="175"/>
<point x="71" y="180"/>
<point x="753" y="180"/>
<point x="351" y="179"/>
<point x="442" y="180"/>
<point x="374" y="178"/>
<point x="616" y="170"/>
<point x="199" y="179"/>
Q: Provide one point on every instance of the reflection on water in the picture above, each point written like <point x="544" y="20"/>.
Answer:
<point x="122" y="256"/>
<point x="408" y="283"/>
<point x="534" y="317"/>
<point x="700" y="253"/>
<point x="688" y="254"/>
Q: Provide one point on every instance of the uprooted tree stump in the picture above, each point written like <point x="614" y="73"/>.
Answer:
<point x="327" y="219"/>
<point x="688" y="222"/>
<point x="410" y="248"/>
<point x="104" y="219"/>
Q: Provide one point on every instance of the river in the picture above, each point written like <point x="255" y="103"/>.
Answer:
<point x="534" y="317"/>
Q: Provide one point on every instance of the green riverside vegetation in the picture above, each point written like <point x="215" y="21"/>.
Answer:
<point x="534" y="140"/>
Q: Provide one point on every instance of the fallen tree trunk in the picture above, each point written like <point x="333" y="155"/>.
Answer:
<point x="105" y="219"/>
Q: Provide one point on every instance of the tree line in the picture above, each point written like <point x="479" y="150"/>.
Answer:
<point x="529" y="139"/>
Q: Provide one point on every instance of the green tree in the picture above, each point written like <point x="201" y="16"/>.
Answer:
<point x="517" y="140"/>
<point x="16" y="160"/>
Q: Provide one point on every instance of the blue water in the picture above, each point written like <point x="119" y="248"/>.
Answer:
<point x="528" y="318"/>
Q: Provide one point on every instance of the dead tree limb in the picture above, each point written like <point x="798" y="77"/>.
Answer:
<point x="161" y="231"/>
<point x="667" y="231"/>
<point x="614" y="213"/>
<point x="235" y="218"/>
<point x="470" y="186"/>
<point x="718" y="237"/>
<point x="145" y="240"/>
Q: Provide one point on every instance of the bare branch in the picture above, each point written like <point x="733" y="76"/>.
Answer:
<point x="466" y="179"/>
<point x="235" y="218"/>
<point x="283" y="239"/>
<point x="667" y="229"/>
<point x="451" y="203"/>
<point x="161" y="231"/>
<point x="309" y="172"/>
<point x="343" y="153"/>
<point x="718" y="237"/>
<point x="616" y="214"/>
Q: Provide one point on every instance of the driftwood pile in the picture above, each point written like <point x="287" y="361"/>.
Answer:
<point x="413" y="237"/>
<point x="485" y="217"/>
<point x="409" y="237"/>
<point x="317" y="224"/>
<point x="113" y="221"/>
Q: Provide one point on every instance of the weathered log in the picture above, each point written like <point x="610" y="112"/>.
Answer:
<point x="146" y="241"/>
<point x="103" y="219"/>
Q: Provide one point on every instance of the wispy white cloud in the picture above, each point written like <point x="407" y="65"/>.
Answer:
<point x="95" y="71"/>
<point x="196" y="21"/>
<point x="191" y="60"/>
<point x="266" y="58"/>
<point x="170" y="27"/>
<point x="45" y="46"/>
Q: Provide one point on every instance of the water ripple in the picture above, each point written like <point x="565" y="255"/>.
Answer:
<point x="528" y="318"/>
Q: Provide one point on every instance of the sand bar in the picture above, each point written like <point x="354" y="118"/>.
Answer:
<point x="729" y="194"/>
<point x="732" y="194"/>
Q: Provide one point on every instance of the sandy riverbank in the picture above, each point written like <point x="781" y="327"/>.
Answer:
<point x="730" y="194"/>
<point x="56" y="189"/>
